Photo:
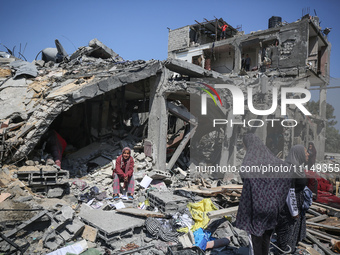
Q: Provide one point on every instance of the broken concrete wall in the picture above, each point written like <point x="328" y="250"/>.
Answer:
<point x="293" y="42"/>
<point x="281" y="54"/>
<point x="98" y="50"/>
<point x="178" y="39"/>
<point x="61" y="98"/>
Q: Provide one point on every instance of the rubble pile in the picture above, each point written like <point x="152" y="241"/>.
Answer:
<point x="86" y="210"/>
<point x="88" y="215"/>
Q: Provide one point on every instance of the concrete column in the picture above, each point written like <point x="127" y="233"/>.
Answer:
<point x="322" y="135"/>
<point x="228" y="150"/>
<point x="158" y="120"/>
<point x="259" y="54"/>
<point x="323" y="102"/>
<point x="238" y="58"/>
<point x="228" y="158"/>
<point x="261" y="131"/>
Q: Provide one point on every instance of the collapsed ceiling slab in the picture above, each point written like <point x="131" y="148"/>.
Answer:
<point x="192" y="70"/>
<point x="36" y="102"/>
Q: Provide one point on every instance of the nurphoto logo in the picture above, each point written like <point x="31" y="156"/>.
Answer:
<point x="238" y="104"/>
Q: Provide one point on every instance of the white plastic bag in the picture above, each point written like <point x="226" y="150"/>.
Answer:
<point x="292" y="203"/>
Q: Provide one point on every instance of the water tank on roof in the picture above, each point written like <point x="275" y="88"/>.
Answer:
<point x="274" y="21"/>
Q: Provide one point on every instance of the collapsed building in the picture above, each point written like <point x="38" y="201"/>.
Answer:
<point x="88" y="98"/>
<point x="284" y="55"/>
<point x="100" y="103"/>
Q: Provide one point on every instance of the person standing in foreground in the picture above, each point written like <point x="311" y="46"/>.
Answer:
<point x="292" y="228"/>
<point x="124" y="172"/>
<point x="263" y="195"/>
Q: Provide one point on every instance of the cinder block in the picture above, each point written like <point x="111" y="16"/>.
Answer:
<point x="167" y="202"/>
<point x="76" y="227"/>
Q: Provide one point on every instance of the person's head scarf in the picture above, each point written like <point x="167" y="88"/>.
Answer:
<point x="312" y="152"/>
<point x="311" y="143"/>
<point x="257" y="154"/>
<point x="297" y="155"/>
<point x="126" y="149"/>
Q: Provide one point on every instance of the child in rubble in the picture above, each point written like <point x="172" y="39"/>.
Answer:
<point x="123" y="172"/>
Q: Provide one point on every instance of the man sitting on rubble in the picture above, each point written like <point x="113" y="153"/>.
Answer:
<point x="54" y="144"/>
<point x="123" y="172"/>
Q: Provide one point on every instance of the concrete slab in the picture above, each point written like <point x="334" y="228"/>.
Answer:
<point x="55" y="192"/>
<point x="67" y="212"/>
<point x="22" y="67"/>
<point x="75" y="228"/>
<point x="110" y="224"/>
<point x="156" y="174"/>
<point x="102" y="51"/>
<point x="167" y="202"/>
<point x="89" y="233"/>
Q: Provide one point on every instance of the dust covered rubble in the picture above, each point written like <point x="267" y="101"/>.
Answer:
<point x="61" y="223"/>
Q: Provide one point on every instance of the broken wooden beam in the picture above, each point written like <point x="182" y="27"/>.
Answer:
<point x="318" y="209"/>
<point x="140" y="212"/>
<point x="14" y="126"/>
<point x="326" y="206"/>
<point x="25" y="224"/>
<point x="318" y="243"/>
<point x="213" y="191"/>
<point x="311" y="211"/>
<point x="222" y="212"/>
<point x="318" y="218"/>
<point x="321" y="234"/>
<point x="135" y="250"/>
<point x="24" y="130"/>
<point x="323" y="226"/>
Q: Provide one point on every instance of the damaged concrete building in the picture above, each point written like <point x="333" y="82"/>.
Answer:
<point x="99" y="103"/>
<point x="284" y="55"/>
<point x="89" y="99"/>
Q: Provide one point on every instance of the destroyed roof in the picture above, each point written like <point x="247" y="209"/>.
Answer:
<point x="30" y="105"/>
<point x="34" y="94"/>
<point x="211" y="27"/>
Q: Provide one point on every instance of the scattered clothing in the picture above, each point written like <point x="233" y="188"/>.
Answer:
<point x="183" y="221"/>
<point x="92" y="194"/>
<point x="328" y="198"/>
<point x="162" y="231"/>
<point x="81" y="184"/>
<point x="202" y="237"/>
<point x="55" y="144"/>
